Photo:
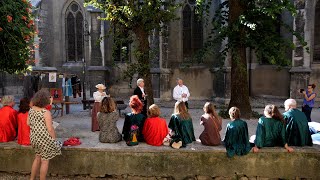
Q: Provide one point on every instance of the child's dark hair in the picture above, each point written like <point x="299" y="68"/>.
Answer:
<point x="24" y="105"/>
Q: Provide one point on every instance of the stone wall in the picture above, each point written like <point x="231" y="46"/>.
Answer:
<point x="139" y="163"/>
<point x="199" y="81"/>
<point x="268" y="80"/>
<point x="11" y="84"/>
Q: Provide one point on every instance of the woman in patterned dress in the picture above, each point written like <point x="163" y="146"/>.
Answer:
<point x="107" y="119"/>
<point x="42" y="134"/>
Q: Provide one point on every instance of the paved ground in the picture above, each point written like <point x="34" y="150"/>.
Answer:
<point x="78" y="123"/>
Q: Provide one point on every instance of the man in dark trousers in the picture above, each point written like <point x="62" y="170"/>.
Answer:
<point x="139" y="91"/>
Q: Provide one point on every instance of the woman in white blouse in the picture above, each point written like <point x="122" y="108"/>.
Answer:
<point x="97" y="96"/>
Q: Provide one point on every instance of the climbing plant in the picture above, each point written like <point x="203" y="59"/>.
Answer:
<point x="16" y="35"/>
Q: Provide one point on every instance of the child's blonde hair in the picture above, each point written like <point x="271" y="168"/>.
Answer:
<point x="234" y="113"/>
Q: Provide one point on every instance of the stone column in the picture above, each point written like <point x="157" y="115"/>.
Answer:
<point x="165" y="71"/>
<point x="45" y="36"/>
<point x="95" y="32"/>
<point x="300" y="71"/>
<point x="97" y="72"/>
<point x="154" y="62"/>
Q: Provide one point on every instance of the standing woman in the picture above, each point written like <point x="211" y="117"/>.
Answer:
<point x="42" y="134"/>
<point x="212" y="126"/>
<point x="308" y="101"/>
<point x="181" y="126"/>
<point x="97" y="96"/>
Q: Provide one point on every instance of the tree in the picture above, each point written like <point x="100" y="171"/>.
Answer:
<point x="249" y="24"/>
<point x="16" y="35"/>
<point x="138" y="17"/>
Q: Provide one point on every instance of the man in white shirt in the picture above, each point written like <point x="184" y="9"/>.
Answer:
<point x="181" y="92"/>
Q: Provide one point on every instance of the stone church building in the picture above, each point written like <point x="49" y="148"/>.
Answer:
<point x="70" y="43"/>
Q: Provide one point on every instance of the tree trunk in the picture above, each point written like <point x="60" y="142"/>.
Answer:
<point x="144" y="61"/>
<point x="239" y="78"/>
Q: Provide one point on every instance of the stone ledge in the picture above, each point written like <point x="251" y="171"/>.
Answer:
<point x="147" y="161"/>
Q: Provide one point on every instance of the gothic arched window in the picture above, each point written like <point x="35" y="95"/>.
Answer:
<point x="192" y="31"/>
<point x="74" y="33"/>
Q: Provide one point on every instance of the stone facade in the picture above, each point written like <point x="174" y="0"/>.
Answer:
<point x="171" y="46"/>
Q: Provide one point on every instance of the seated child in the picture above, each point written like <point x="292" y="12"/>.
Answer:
<point x="155" y="128"/>
<point x="271" y="130"/>
<point x="107" y="119"/>
<point x="133" y="122"/>
<point x="236" y="139"/>
<point x="212" y="126"/>
<point x="23" y="128"/>
<point x="181" y="126"/>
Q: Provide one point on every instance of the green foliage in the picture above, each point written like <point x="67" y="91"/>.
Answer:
<point x="261" y="22"/>
<point x="138" y="17"/>
<point x="16" y="35"/>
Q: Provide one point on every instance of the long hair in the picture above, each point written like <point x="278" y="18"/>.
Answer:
<point x="107" y="105"/>
<point x="24" y="105"/>
<point x="273" y="111"/>
<point x="181" y="109"/>
<point x="209" y="109"/>
<point x="135" y="103"/>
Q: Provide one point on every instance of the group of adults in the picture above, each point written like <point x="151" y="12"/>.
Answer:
<point x="31" y="125"/>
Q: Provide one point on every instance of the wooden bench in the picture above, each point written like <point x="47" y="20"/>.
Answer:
<point x="56" y="107"/>
<point x="87" y="104"/>
<point x="121" y="106"/>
